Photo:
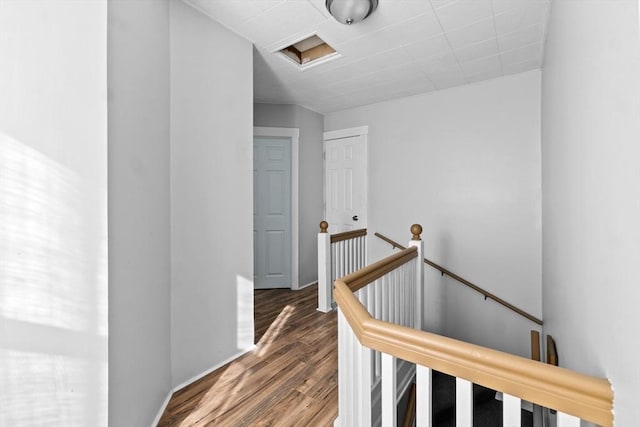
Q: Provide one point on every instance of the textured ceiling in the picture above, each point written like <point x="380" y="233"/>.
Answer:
<point x="405" y="47"/>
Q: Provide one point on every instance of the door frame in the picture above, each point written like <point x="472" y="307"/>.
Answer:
<point x="340" y="134"/>
<point x="294" y="135"/>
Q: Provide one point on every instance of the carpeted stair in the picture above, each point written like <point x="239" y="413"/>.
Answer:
<point x="487" y="411"/>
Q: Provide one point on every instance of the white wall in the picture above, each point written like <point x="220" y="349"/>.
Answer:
<point x="275" y="115"/>
<point x="464" y="163"/>
<point x="53" y="213"/>
<point x="211" y="193"/>
<point x="591" y="188"/>
<point x="139" y="252"/>
<point x="311" y="126"/>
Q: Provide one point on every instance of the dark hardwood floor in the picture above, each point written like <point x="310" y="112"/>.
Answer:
<point x="290" y="379"/>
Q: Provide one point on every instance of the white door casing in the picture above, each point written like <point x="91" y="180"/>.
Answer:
<point x="345" y="180"/>
<point x="275" y="247"/>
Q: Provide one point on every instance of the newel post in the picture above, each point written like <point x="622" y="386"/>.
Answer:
<point x="416" y="240"/>
<point x="324" y="269"/>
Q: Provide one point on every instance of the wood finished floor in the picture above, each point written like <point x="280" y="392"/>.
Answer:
<point x="290" y="379"/>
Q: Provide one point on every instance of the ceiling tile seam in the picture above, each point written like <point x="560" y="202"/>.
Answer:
<point x="388" y="27"/>
<point x="426" y="76"/>
<point x="448" y="42"/>
<point x="495" y="32"/>
<point x="520" y="30"/>
<point x="322" y="12"/>
<point x="268" y="9"/>
<point x="522" y="47"/>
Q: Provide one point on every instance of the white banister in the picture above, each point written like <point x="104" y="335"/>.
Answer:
<point x="566" y="420"/>
<point x="388" y="398"/>
<point x="338" y="255"/>
<point x="364" y="361"/>
<point x="381" y="347"/>
<point x="324" y="270"/>
<point x="464" y="403"/>
<point x="416" y="241"/>
<point x="423" y="396"/>
<point x="354" y="364"/>
<point x="511" y="411"/>
<point x="392" y="298"/>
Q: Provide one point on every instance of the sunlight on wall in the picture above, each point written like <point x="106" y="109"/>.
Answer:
<point x="245" y="313"/>
<point x="53" y="293"/>
<point x="42" y="211"/>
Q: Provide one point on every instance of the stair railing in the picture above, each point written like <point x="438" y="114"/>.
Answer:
<point x="338" y="255"/>
<point x="367" y="323"/>
<point x="467" y="283"/>
<point x="392" y="290"/>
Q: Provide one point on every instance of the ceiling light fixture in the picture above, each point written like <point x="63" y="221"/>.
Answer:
<point x="351" y="11"/>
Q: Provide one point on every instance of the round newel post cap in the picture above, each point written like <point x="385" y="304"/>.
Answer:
<point x="324" y="226"/>
<point x="416" y="230"/>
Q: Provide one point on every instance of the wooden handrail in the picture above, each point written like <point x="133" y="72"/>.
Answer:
<point x="464" y="281"/>
<point x="346" y="235"/>
<point x="557" y="388"/>
<point x="364" y="276"/>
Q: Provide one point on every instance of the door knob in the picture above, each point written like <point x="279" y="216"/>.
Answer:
<point x="355" y="217"/>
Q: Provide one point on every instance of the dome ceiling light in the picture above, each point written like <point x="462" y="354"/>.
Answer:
<point x="351" y="11"/>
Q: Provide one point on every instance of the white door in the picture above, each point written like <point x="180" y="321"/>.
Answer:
<point x="346" y="183"/>
<point x="272" y="212"/>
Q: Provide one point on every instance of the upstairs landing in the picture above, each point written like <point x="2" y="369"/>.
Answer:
<point x="289" y="379"/>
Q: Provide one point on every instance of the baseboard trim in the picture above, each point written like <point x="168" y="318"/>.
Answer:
<point x="156" y="420"/>
<point x="213" y="368"/>
<point x="306" y="286"/>
<point x="196" y="378"/>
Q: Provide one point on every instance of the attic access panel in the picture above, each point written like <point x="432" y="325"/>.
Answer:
<point x="309" y="52"/>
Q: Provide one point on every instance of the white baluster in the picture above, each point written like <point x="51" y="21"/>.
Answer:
<point x="343" y="395"/>
<point x="347" y="257"/>
<point x="364" y="251"/>
<point x="414" y="279"/>
<point x="364" y="356"/>
<point x="349" y="377"/>
<point x="423" y="396"/>
<point x="402" y="302"/>
<point x="348" y="254"/>
<point x="393" y="302"/>
<point x="406" y="301"/>
<point x="378" y="288"/>
<point x="397" y="278"/>
<point x="388" y="396"/>
<point x="340" y="258"/>
<point x="510" y="411"/>
<point x="419" y="283"/>
<point x="324" y="273"/>
<point x="566" y="420"/>
<point x="333" y="263"/>
<point x="378" y="315"/>
<point x="464" y="403"/>
<point x="384" y="283"/>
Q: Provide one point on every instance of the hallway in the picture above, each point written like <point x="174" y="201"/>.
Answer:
<point x="289" y="379"/>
